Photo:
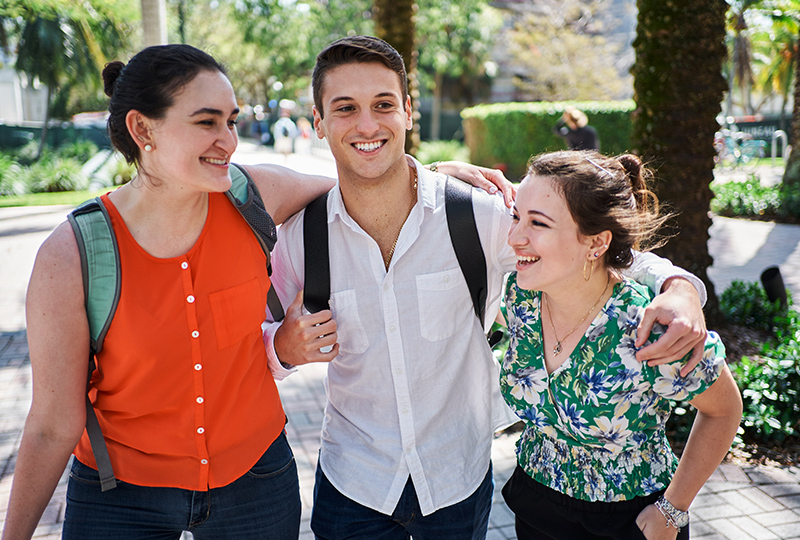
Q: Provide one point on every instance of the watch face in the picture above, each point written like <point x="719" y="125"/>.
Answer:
<point x="682" y="519"/>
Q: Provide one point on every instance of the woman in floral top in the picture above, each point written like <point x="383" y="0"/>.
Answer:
<point x="594" y="461"/>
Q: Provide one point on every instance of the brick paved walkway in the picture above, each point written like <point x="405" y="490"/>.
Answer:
<point x="737" y="503"/>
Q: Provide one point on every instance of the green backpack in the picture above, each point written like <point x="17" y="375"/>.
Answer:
<point x="102" y="279"/>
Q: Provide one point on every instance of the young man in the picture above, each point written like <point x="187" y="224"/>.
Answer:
<point x="413" y="398"/>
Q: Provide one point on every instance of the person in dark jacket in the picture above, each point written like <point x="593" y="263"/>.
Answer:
<point x="573" y="127"/>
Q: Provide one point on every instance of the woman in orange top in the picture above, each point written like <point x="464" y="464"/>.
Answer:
<point x="183" y="393"/>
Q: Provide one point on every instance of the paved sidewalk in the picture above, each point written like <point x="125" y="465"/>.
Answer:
<point x="736" y="503"/>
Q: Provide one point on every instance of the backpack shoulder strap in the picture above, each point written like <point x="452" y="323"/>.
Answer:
<point x="466" y="242"/>
<point x="317" y="287"/>
<point x="100" y="268"/>
<point x="245" y="197"/>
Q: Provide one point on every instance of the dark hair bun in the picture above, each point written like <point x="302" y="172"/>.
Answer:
<point x="632" y="165"/>
<point x="111" y="73"/>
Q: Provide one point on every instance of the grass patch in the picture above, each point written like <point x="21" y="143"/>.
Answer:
<point x="72" y="198"/>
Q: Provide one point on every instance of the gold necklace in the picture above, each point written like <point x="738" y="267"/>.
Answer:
<point x="388" y="258"/>
<point x="557" y="349"/>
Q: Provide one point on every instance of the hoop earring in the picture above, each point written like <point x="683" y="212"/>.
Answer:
<point x="591" y="270"/>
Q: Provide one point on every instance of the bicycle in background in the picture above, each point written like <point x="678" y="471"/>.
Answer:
<point x="737" y="150"/>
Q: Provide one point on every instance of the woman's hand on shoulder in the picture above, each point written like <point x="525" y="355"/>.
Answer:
<point x="489" y="180"/>
<point x="653" y="524"/>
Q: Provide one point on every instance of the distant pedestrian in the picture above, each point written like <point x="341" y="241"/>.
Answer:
<point x="284" y="130"/>
<point x="574" y="127"/>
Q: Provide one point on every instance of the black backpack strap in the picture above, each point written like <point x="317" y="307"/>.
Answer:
<point x="245" y="197"/>
<point x="317" y="287"/>
<point x="100" y="268"/>
<point x="466" y="242"/>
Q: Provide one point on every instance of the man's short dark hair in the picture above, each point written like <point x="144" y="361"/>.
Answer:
<point x="351" y="49"/>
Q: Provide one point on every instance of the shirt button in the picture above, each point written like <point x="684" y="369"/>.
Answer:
<point x="447" y="279"/>
<point x="404" y="411"/>
<point x="392" y="328"/>
<point x="195" y="334"/>
<point x="398" y="371"/>
<point x="198" y="367"/>
<point x="204" y="461"/>
<point x="408" y="450"/>
<point x="190" y="299"/>
<point x="201" y="430"/>
<point x="184" y="265"/>
<point x="200" y="399"/>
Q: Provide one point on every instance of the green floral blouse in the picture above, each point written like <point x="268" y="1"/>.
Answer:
<point x="594" y="428"/>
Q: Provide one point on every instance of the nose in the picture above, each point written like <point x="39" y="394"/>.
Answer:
<point x="228" y="139"/>
<point x="515" y="238"/>
<point x="367" y="123"/>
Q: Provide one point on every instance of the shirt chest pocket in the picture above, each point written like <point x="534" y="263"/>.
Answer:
<point x="352" y="336"/>
<point x="237" y="312"/>
<point x="444" y="302"/>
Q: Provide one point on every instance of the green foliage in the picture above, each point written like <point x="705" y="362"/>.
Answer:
<point x="753" y="200"/>
<point x="442" y="151"/>
<point x="770" y="386"/>
<point x="56" y="174"/>
<point x="10" y="183"/>
<point x="80" y="150"/>
<point x="747" y="304"/>
<point x="510" y="133"/>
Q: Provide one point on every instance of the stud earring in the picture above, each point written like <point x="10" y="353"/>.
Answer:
<point x="596" y="254"/>
<point x="148" y="148"/>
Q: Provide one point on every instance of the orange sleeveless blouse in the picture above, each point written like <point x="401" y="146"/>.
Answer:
<point x="182" y="389"/>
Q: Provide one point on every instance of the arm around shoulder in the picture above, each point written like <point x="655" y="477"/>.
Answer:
<point x="58" y="340"/>
<point x="285" y="191"/>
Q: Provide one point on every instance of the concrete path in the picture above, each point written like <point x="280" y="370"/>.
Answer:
<point x="737" y="503"/>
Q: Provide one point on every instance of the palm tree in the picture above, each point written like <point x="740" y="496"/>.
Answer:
<point x="395" y="23"/>
<point x="678" y="88"/>
<point x="56" y="48"/>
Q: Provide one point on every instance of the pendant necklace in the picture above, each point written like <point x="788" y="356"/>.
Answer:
<point x="557" y="349"/>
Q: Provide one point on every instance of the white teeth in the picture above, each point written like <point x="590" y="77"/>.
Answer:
<point x="215" y="161"/>
<point x="368" y="147"/>
<point x="527" y="259"/>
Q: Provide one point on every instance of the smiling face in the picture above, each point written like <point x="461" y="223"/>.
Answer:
<point x="550" y="250"/>
<point x="365" y="120"/>
<point x="193" y="143"/>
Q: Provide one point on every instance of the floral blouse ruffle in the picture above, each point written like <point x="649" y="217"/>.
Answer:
<point x="594" y="428"/>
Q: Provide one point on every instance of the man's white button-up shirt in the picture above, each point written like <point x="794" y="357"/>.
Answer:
<point x="414" y="390"/>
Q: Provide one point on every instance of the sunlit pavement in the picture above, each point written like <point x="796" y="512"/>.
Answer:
<point x="736" y="503"/>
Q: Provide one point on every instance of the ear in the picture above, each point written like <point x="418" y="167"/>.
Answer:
<point x="599" y="245"/>
<point x="409" y="114"/>
<point x="317" y="122"/>
<point x="139" y="127"/>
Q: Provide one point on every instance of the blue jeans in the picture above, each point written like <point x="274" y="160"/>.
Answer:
<point x="336" y="517"/>
<point x="263" y="503"/>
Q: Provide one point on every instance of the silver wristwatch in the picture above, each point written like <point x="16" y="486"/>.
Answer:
<point x="676" y="518"/>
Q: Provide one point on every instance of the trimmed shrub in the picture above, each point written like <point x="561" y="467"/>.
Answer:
<point x="442" y="151"/>
<point x="506" y="135"/>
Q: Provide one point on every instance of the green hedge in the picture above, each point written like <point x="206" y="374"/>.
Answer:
<point x="508" y="134"/>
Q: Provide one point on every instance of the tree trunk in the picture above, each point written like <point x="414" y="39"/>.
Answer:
<point x="678" y="88"/>
<point x="395" y="23"/>
<point x="791" y="176"/>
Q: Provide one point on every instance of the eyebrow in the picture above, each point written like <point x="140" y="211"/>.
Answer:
<point x="536" y="213"/>
<point x="215" y="112"/>
<point x="380" y="95"/>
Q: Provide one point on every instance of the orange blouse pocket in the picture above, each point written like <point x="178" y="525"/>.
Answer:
<point x="238" y="312"/>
